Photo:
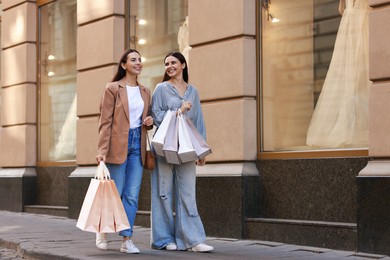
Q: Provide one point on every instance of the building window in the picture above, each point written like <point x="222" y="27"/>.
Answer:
<point x="314" y="85"/>
<point x="154" y="29"/>
<point x="57" y="81"/>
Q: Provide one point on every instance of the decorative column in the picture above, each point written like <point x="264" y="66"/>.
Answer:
<point x="373" y="214"/>
<point x="18" y="105"/>
<point x="222" y="65"/>
<point x="100" y="43"/>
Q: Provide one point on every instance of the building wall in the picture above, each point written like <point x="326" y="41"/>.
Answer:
<point x="223" y="68"/>
<point x="18" y="78"/>
<point x="100" y="44"/>
<point x="373" y="181"/>
<point x="18" y="105"/>
<point x="222" y="65"/>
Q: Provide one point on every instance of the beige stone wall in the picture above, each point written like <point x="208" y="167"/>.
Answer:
<point x="379" y="60"/>
<point x="222" y="65"/>
<point x="18" y="82"/>
<point x="379" y="106"/>
<point x="100" y="43"/>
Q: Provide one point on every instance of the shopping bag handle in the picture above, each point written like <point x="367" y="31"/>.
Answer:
<point x="179" y="113"/>
<point x="102" y="172"/>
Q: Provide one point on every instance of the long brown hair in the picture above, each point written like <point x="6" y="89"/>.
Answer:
<point x="121" y="72"/>
<point x="182" y="60"/>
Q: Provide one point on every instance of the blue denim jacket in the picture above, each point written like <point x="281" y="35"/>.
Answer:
<point x="166" y="97"/>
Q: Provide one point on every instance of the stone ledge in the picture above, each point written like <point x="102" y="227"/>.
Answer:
<point x="379" y="168"/>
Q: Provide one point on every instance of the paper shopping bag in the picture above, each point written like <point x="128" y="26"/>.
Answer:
<point x="171" y="143"/>
<point x="186" y="150"/>
<point x="120" y="217"/>
<point x="107" y="223"/>
<point x="95" y="202"/>
<point x="89" y="217"/>
<point x="159" y="136"/>
<point x="200" y="145"/>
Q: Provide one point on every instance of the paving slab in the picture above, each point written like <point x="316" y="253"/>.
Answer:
<point x="33" y="236"/>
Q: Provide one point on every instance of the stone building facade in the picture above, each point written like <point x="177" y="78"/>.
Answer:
<point x="259" y="183"/>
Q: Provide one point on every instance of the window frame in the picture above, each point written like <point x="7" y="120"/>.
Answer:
<point x="297" y="154"/>
<point x="39" y="4"/>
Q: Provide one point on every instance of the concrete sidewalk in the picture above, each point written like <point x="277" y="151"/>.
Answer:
<point x="48" y="237"/>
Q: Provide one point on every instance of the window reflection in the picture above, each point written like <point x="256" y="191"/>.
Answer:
<point x="57" y="81"/>
<point x="297" y="52"/>
<point x="154" y="30"/>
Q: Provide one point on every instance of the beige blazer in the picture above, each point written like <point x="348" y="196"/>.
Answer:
<point x="114" y="122"/>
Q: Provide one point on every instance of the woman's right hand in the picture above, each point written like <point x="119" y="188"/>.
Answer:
<point x="100" y="157"/>
<point x="185" y="106"/>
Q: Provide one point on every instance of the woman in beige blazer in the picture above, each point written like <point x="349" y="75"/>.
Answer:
<point x="123" y="124"/>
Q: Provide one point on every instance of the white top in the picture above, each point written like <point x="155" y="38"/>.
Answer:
<point x="136" y="106"/>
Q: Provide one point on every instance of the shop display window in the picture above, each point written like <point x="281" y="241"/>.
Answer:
<point x="314" y="75"/>
<point x="57" y="111"/>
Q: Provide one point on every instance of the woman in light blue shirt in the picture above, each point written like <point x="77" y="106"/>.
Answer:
<point x="176" y="183"/>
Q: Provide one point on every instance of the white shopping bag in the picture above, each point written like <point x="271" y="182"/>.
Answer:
<point x="159" y="136"/>
<point x="200" y="145"/>
<point x="186" y="150"/>
<point x="171" y="143"/>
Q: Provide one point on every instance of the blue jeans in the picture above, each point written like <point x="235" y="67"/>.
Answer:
<point x="128" y="177"/>
<point x="175" y="183"/>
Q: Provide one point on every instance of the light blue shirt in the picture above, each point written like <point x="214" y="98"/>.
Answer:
<point x="166" y="97"/>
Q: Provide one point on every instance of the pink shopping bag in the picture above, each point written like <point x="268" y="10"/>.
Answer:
<point x="120" y="218"/>
<point x="102" y="205"/>
<point x="89" y="217"/>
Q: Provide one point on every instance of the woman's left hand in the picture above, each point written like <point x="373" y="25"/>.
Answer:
<point x="201" y="162"/>
<point x="148" y="121"/>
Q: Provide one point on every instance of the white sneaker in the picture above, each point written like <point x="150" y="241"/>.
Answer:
<point x="201" y="248"/>
<point x="128" y="247"/>
<point x="171" y="246"/>
<point x="101" y="241"/>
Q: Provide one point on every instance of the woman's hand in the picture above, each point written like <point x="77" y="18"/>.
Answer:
<point x="148" y="121"/>
<point x="185" y="106"/>
<point x="201" y="162"/>
<point x="100" y="157"/>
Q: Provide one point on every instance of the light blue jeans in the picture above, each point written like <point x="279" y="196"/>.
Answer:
<point x="128" y="177"/>
<point x="175" y="183"/>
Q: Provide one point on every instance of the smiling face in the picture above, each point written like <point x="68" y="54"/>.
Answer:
<point x="133" y="63"/>
<point x="173" y="67"/>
